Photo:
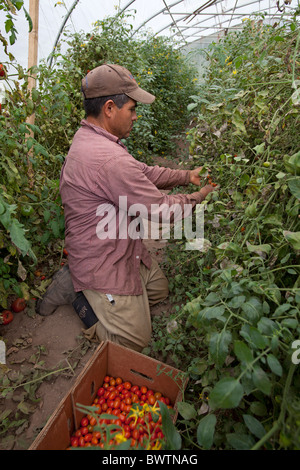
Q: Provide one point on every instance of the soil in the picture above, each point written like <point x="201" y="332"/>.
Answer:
<point x="54" y="348"/>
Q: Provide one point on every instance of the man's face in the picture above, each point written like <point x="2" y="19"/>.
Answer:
<point x="122" y="119"/>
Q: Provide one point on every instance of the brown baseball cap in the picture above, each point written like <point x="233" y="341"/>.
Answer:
<point x="110" y="79"/>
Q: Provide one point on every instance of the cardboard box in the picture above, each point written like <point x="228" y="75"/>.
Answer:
<point x="116" y="361"/>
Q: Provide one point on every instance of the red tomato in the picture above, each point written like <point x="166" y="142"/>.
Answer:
<point x="84" y="422"/>
<point x="127" y="385"/>
<point x="6" y="317"/>
<point x="84" y="431"/>
<point x="74" y="441"/>
<point x="112" y="395"/>
<point x="119" y="380"/>
<point x="135" y="434"/>
<point x="132" y="425"/>
<point x="151" y="400"/>
<point x="134" y="398"/>
<point x="2" y="71"/>
<point x="100" y="391"/>
<point x="93" y="421"/>
<point x="88" y="437"/>
<point x="133" y="442"/>
<point x="18" y="305"/>
<point x="144" y="389"/>
<point x="117" y="403"/>
<point x="65" y="252"/>
<point x="122" y="406"/>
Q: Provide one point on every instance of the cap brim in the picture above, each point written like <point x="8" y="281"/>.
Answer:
<point x="141" y="96"/>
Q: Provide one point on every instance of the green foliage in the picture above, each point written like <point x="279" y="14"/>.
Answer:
<point x="29" y="196"/>
<point x="31" y="156"/>
<point x="156" y="66"/>
<point x="243" y="289"/>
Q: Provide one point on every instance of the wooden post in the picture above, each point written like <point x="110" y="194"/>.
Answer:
<point x="32" y="60"/>
<point x="33" y="45"/>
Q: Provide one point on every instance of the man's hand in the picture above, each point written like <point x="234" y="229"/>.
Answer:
<point x="207" y="189"/>
<point x="194" y="176"/>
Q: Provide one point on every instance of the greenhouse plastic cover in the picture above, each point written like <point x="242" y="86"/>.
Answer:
<point x="187" y="21"/>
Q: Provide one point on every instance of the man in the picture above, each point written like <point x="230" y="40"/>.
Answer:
<point x="101" y="186"/>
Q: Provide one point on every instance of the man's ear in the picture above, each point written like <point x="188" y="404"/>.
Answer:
<point x="109" y="107"/>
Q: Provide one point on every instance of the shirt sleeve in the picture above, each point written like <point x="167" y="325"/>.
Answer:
<point x="125" y="177"/>
<point x="165" y="178"/>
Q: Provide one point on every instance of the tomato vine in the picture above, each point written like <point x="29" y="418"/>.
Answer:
<point x="243" y="289"/>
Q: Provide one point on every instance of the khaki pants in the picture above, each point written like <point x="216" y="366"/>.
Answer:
<point x="127" y="321"/>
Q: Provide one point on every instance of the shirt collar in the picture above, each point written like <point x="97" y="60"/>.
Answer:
<point x="99" y="130"/>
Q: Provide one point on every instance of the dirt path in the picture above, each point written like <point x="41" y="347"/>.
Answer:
<point x="54" y="349"/>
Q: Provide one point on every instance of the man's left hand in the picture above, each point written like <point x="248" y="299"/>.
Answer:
<point x="194" y="176"/>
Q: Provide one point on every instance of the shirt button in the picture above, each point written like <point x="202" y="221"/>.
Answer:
<point x="137" y="257"/>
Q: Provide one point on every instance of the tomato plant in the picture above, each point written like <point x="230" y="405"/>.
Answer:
<point x="240" y="295"/>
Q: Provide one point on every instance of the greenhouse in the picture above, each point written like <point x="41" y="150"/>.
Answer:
<point x="149" y="227"/>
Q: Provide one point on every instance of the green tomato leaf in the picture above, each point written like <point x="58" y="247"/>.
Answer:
<point x="227" y="393"/>
<point x="293" y="238"/>
<point x="206" y="430"/>
<point x="186" y="410"/>
<point x="240" y="441"/>
<point x="173" y="437"/>
<point x="242" y="351"/>
<point x="253" y="337"/>
<point x="274" y="365"/>
<point x="218" y="346"/>
<point x="254" y="426"/>
<point x="261" y="380"/>
<point x="294" y="186"/>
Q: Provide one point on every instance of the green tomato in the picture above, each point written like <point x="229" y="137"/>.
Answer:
<point x="27" y="210"/>
<point x="266" y="164"/>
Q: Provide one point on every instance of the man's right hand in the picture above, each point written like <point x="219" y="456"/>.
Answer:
<point x="208" y="188"/>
